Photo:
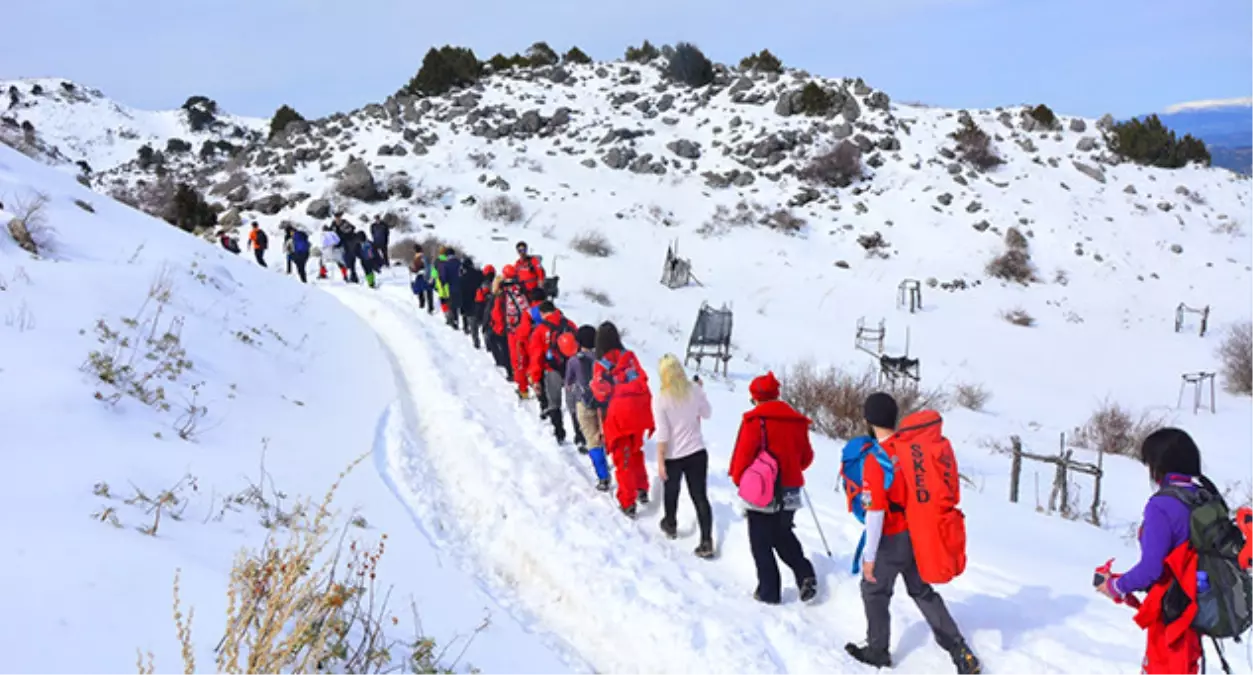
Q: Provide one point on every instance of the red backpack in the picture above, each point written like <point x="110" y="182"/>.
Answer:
<point x="928" y="467"/>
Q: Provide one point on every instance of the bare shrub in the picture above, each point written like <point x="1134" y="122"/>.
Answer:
<point x="834" y="398"/>
<point x="971" y="396"/>
<point x="1113" y="429"/>
<point x="783" y="220"/>
<point x="592" y="243"/>
<point x="1015" y="239"/>
<point x="29" y="227"/>
<point x="310" y="604"/>
<point x="481" y="160"/>
<point x="501" y="209"/>
<point x="403" y="249"/>
<point x="1236" y="354"/>
<point x="433" y="245"/>
<point x="597" y="296"/>
<point x="975" y="146"/>
<point x="1013" y="265"/>
<point x="724" y="218"/>
<point x="1018" y="317"/>
<point x="837" y="167"/>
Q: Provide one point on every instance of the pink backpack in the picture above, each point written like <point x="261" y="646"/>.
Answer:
<point x="759" y="486"/>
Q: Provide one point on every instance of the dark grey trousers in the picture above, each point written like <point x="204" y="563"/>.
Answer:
<point x="896" y="558"/>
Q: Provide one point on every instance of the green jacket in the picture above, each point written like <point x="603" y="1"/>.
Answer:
<point x="441" y="288"/>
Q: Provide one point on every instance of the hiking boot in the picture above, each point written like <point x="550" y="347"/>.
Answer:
<point x="758" y="598"/>
<point x="642" y="496"/>
<point x="629" y="511"/>
<point x="671" y="530"/>
<point x="582" y="448"/>
<point x="705" y="550"/>
<point x="965" y="660"/>
<point x="809" y="589"/>
<point x="603" y="485"/>
<point x="879" y="658"/>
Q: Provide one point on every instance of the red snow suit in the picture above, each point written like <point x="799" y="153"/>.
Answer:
<point x="787" y="436"/>
<point x="630" y="402"/>
<point x="518" y="338"/>
<point x="542" y="345"/>
<point x="530" y="272"/>
<point x="619" y="379"/>
<point x="1173" y="647"/>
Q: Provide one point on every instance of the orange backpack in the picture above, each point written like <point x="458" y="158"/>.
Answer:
<point x="928" y="467"/>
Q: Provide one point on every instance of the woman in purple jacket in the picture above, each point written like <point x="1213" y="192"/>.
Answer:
<point x="1172" y="459"/>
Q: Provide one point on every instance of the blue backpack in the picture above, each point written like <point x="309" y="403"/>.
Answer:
<point x="300" y="242"/>
<point x="854" y="456"/>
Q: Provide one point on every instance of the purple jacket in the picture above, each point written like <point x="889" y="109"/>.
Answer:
<point x="1165" y="527"/>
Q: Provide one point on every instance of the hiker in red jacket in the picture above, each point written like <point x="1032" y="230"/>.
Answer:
<point x="547" y="365"/>
<point x="619" y="381"/>
<point x="520" y="337"/>
<point x="530" y="271"/>
<point x="773" y="425"/>
<point x="508" y="307"/>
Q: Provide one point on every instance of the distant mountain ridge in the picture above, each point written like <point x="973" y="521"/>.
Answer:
<point x="1225" y="126"/>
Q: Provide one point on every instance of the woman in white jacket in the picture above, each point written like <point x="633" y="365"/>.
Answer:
<point x="681" y="456"/>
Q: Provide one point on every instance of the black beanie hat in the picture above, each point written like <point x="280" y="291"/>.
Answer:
<point x="586" y="337"/>
<point x="880" y="410"/>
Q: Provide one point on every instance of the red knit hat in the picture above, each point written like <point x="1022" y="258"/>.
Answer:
<point x="764" y="388"/>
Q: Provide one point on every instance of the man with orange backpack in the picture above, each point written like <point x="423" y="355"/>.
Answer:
<point x="547" y="364"/>
<point x="903" y="484"/>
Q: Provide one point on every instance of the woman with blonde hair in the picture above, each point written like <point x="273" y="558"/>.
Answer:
<point x="681" y="455"/>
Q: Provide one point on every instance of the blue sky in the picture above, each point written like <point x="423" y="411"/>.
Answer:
<point x="1079" y="56"/>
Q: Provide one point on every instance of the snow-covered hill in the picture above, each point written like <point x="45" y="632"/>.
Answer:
<point x="617" y="151"/>
<point x="288" y="388"/>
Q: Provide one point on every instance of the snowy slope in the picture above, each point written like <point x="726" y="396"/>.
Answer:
<point x="523" y="508"/>
<point x="1115" y="254"/>
<point x="278" y="365"/>
<point x="82" y="124"/>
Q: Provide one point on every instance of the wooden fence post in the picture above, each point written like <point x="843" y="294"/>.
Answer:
<point x="1015" y="471"/>
<point x="1096" y="491"/>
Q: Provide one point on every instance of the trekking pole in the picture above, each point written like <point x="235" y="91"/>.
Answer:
<point x="816" y="523"/>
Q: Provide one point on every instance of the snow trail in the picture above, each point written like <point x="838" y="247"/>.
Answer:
<point x="486" y="481"/>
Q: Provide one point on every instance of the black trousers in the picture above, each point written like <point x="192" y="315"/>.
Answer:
<point x="470" y="326"/>
<point x="426" y="300"/>
<point x="380" y="245"/>
<point x="350" y="262"/>
<point x="300" y="260"/>
<point x="260" y="254"/>
<point x="692" y="470"/>
<point x="770" y="534"/>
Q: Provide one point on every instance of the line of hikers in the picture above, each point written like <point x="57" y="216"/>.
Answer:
<point x="900" y="479"/>
<point x="342" y="246"/>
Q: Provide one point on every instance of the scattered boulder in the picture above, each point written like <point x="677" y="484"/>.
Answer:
<point x="1106" y="123"/>
<point x="269" y="204"/>
<point x="973" y="207"/>
<point x="230" y="219"/>
<point x="684" y="148"/>
<point x="1176" y="248"/>
<point x="1090" y="171"/>
<point x="357" y="182"/>
<point x="239" y="194"/>
<point x="1078" y="126"/>
<point x="945" y="199"/>
<point x="878" y="101"/>
<point x="318" y="208"/>
<point x="1086" y="144"/>
<point x="1130" y="189"/>
<point x="618" y="158"/>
